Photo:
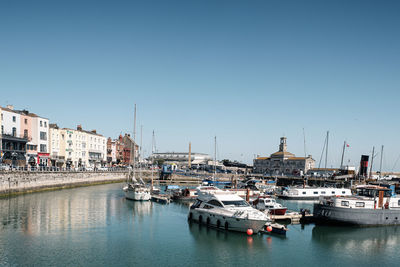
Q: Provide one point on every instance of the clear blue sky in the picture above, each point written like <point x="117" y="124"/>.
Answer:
<point x="245" y="71"/>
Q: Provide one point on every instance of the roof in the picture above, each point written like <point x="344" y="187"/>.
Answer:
<point x="282" y="154"/>
<point x="290" y="158"/>
<point x="22" y="112"/>
<point x="88" y="132"/>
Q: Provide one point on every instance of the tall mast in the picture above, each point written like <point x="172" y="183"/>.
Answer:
<point x="380" y="167"/>
<point x="152" y="160"/>
<point x="190" y="156"/>
<point x="140" y="150"/>
<point x="215" y="157"/>
<point x="305" y="151"/>
<point x="326" y="152"/>
<point x="341" y="162"/>
<point x="134" y="125"/>
<point x="372" y="161"/>
<point x="134" y="141"/>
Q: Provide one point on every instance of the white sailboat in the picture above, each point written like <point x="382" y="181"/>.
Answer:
<point x="134" y="189"/>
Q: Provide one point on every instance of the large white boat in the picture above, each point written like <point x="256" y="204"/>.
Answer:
<point x="226" y="210"/>
<point x="373" y="205"/>
<point x="312" y="193"/>
<point x="137" y="191"/>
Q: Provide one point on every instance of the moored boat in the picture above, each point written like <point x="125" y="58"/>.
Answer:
<point x="223" y="209"/>
<point x="137" y="191"/>
<point x="373" y="205"/>
<point x="269" y="204"/>
<point x="312" y="193"/>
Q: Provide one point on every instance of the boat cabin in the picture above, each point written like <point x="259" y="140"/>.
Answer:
<point x="368" y="197"/>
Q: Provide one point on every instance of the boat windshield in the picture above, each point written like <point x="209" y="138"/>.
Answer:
<point x="236" y="203"/>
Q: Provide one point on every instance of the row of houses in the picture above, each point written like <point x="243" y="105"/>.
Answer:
<point x="27" y="139"/>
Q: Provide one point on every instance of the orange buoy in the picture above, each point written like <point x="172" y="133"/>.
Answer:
<point x="249" y="231"/>
<point x="269" y="228"/>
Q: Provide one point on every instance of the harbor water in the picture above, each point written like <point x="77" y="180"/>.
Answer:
<point x="97" y="226"/>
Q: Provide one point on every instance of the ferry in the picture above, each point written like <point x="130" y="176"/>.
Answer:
<point x="373" y="205"/>
<point x="312" y="193"/>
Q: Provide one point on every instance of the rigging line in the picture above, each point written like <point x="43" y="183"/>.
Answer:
<point x="395" y="163"/>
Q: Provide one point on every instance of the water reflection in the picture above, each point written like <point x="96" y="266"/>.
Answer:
<point x="60" y="210"/>
<point x="371" y="240"/>
<point x="140" y="209"/>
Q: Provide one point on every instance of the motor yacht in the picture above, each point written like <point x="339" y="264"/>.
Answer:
<point x="225" y="210"/>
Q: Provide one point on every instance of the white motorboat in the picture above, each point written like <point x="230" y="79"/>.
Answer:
<point x="312" y="193"/>
<point x="226" y="210"/>
<point x="269" y="204"/>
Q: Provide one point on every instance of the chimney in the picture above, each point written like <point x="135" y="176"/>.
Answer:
<point x="94" y="131"/>
<point x="10" y="107"/>
<point x="190" y="155"/>
<point x="79" y="127"/>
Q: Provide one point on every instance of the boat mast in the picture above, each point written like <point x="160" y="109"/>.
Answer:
<point x="140" y="151"/>
<point x="372" y="161"/>
<point x="341" y="162"/>
<point x="134" y="142"/>
<point x="380" y="167"/>
<point x="305" y="151"/>
<point x="326" y="152"/>
<point x="215" y="157"/>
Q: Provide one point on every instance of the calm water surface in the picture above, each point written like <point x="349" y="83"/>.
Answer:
<point x="96" y="226"/>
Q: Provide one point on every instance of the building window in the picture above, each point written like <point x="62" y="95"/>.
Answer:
<point x="26" y="121"/>
<point x="2" y="128"/>
<point x="14" y="131"/>
<point x="43" y="148"/>
<point x="345" y="203"/>
<point x="41" y="123"/>
<point x="43" y="136"/>
<point x="14" y="119"/>
<point x="45" y="124"/>
<point x="25" y="133"/>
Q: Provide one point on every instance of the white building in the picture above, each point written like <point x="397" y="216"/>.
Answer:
<point x="40" y="138"/>
<point x="283" y="162"/>
<point x="77" y="148"/>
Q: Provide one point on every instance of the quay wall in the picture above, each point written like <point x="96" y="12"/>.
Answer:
<point x="25" y="182"/>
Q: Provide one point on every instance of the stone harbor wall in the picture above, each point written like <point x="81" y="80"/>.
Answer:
<point x="24" y="182"/>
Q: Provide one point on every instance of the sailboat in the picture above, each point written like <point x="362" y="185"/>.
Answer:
<point x="134" y="189"/>
<point x="214" y="180"/>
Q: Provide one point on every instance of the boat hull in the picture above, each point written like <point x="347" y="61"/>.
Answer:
<point x="226" y="223"/>
<point x="277" y="211"/>
<point x="298" y="198"/>
<point x="325" y="214"/>
<point x="138" y="196"/>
